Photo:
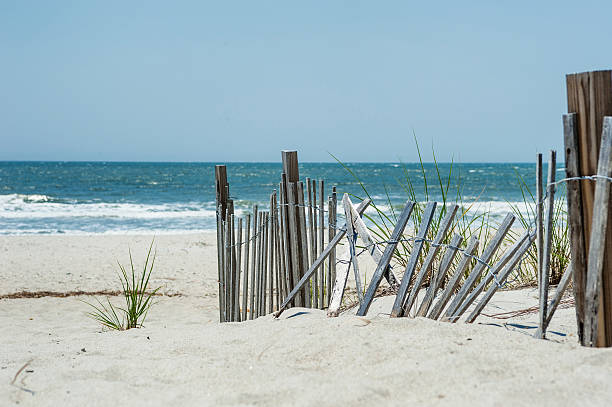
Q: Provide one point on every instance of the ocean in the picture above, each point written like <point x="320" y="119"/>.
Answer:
<point x="163" y="198"/>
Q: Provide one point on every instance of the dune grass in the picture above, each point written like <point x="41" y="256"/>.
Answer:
<point x="138" y="300"/>
<point x="446" y="188"/>
<point x="527" y="272"/>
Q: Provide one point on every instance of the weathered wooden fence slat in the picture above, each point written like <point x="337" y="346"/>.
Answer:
<point x="486" y="256"/>
<point x="351" y="237"/>
<point x="438" y="277"/>
<point x="399" y="309"/>
<point x="502" y="276"/>
<point x="454" y="281"/>
<point x="544" y="275"/>
<point x="443" y="229"/>
<point x="313" y="267"/>
<point x="575" y="218"/>
<point x="372" y="248"/>
<point x="597" y="247"/>
<point x="402" y="221"/>
<point x="554" y="303"/>
<point x="245" y="286"/>
<point x="488" y="276"/>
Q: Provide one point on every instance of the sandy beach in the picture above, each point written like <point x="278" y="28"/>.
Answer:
<point x="185" y="357"/>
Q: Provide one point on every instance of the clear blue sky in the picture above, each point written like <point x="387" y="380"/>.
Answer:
<point x="239" y="81"/>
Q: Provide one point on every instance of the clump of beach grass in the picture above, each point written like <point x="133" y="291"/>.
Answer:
<point x="444" y="187"/>
<point x="527" y="272"/>
<point x="138" y="299"/>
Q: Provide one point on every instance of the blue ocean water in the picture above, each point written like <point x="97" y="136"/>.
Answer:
<point x="114" y="197"/>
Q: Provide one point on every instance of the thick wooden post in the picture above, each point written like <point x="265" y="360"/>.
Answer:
<point x="589" y="95"/>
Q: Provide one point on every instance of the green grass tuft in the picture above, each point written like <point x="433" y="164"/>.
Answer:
<point x="138" y="300"/>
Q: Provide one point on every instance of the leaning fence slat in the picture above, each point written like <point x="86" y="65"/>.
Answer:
<point x="398" y="306"/>
<point x="597" y="247"/>
<point x="386" y="258"/>
<point x="502" y="276"/>
<point x="433" y="251"/>
<point x="554" y="303"/>
<point x="454" y="281"/>
<point x="545" y="270"/>
<point x="363" y="232"/>
<point x="351" y="236"/>
<point x="488" y="276"/>
<point x="574" y="215"/>
<point x="438" y="278"/>
<point x="313" y="267"/>
<point x="477" y="271"/>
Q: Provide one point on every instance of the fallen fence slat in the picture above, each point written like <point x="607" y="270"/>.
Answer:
<point x="437" y="278"/>
<point x="399" y="309"/>
<point x="313" y="267"/>
<point x="477" y="271"/>
<point x="433" y="251"/>
<point x="454" y="281"/>
<point x="488" y="276"/>
<point x="503" y="275"/>
<point x="386" y="258"/>
<point x="597" y="247"/>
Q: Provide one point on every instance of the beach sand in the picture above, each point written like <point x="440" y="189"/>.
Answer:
<point x="183" y="356"/>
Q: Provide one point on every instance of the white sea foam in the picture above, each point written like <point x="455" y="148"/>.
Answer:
<point x="17" y="206"/>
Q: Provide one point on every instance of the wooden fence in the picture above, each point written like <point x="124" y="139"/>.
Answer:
<point x="281" y="257"/>
<point x="262" y="255"/>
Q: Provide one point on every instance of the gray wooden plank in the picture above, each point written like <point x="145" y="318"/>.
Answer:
<point x="433" y="251"/>
<point x="254" y="257"/>
<point x="575" y="218"/>
<point x="245" y="285"/>
<point x="303" y="243"/>
<point x="396" y="235"/>
<point x="351" y="236"/>
<point x="399" y="309"/>
<point x="597" y="247"/>
<point x="237" y="313"/>
<point x="373" y="249"/>
<point x="453" y="283"/>
<point x="486" y="256"/>
<point x="313" y="267"/>
<point x="438" y="278"/>
<point x="488" y="276"/>
<point x="545" y="271"/>
<point x="503" y="275"/>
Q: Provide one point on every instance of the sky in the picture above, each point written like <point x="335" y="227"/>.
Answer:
<point x="222" y="81"/>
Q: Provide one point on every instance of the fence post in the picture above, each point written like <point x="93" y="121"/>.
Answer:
<point x="589" y="95"/>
